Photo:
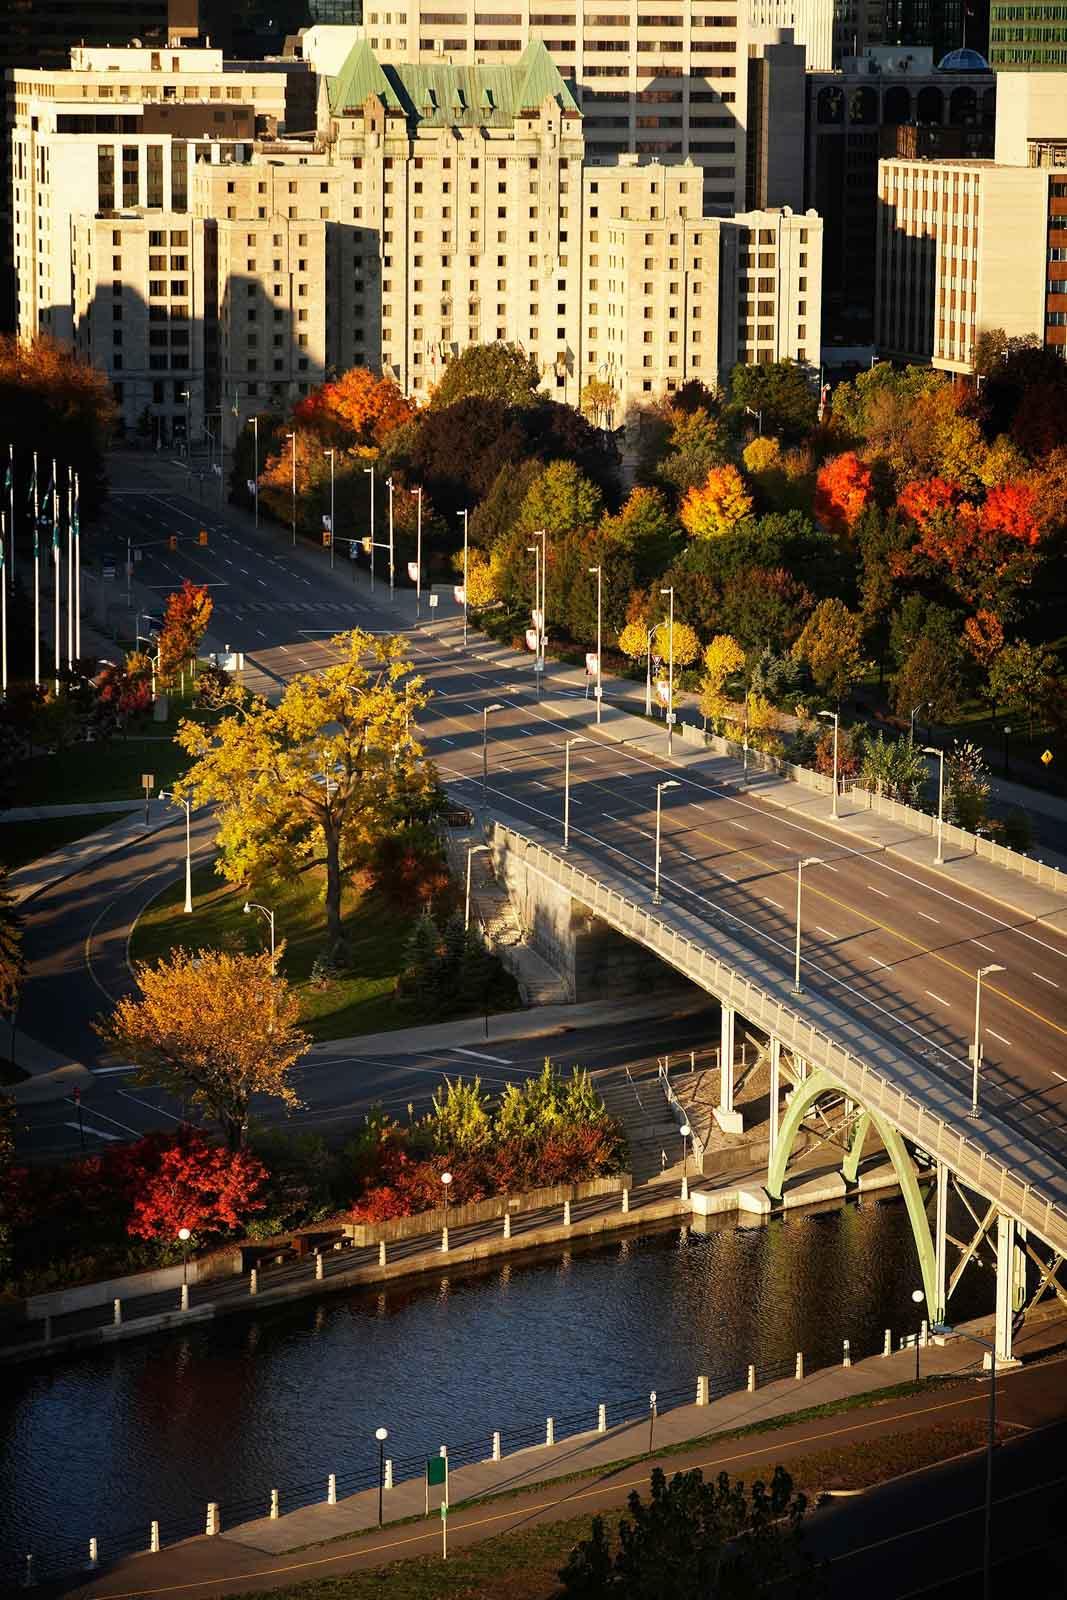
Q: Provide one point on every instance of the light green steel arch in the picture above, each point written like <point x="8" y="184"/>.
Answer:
<point x="851" y="1165"/>
<point x="801" y="1101"/>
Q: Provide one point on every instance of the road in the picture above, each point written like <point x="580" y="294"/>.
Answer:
<point x="892" y="943"/>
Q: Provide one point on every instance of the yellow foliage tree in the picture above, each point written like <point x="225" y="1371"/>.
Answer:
<point x="483" y="577"/>
<point x="722" y="657"/>
<point x="311" y="781"/>
<point x="213" y="1028"/>
<point x="633" y="641"/>
<point x="717" y="506"/>
<point x="761" y="455"/>
<point x="686" y="643"/>
<point x="831" y="646"/>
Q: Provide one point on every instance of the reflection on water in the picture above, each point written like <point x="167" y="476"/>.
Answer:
<point x="155" y="1428"/>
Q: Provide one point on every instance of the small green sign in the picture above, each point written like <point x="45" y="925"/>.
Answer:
<point x="436" y="1469"/>
<point x="444" y="1510"/>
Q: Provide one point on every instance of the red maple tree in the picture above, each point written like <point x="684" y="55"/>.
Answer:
<point x="189" y="1183"/>
<point x="843" y="491"/>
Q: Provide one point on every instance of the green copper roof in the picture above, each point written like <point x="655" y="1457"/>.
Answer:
<point x="439" y="94"/>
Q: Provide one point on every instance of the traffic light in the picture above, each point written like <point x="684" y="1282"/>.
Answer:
<point x="172" y="541"/>
<point x="326" y="536"/>
<point x="202" y="539"/>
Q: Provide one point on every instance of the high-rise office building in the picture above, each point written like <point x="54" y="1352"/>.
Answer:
<point x="1028" y="38"/>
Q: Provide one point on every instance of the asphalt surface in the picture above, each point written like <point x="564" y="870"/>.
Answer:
<point x="920" y="1535"/>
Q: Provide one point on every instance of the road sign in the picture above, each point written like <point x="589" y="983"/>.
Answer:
<point x="459" y="594"/>
<point x="436" y="1469"/>
<point x="444" y="1509"/>
<point x="148" y="781"/>
<point x="1046" y="758"/>
<point x="591" y="663"/>
<point x="433" y="602"/>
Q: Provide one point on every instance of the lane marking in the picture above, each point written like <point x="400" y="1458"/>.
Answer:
<point x="982" y="946"/>
<point x="873" y="890"/>
<point x="994" y="1035"/>
<point x="938" y="998"/>
<point x="928" y="918"/>
<point x="878" y="963"/>
<point x="1055" y="1074"/>
<point x="97" y="1133"/>
<point x="478" y="1055"/>
<point x="1049" y="981"/>
<point x="827" y="932"/>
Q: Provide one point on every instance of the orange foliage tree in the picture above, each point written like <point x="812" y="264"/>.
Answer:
<point x="357" y="410"/>
<point x="717" y="505"/>
<point x="59" y="405"/>
<point x="985" y="553"/>
<point x="185" y="622"/>
<point x="843" y="491"/>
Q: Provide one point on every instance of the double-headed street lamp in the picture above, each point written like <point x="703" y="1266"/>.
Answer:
<point x="808" y="861"/>
<point x="578" y="739"/>
<point x="975" y="1051"/>
<point x="599" y="630"/>
<point x="670" y="783"/>
<point x="932" y="750"/>
<point x="836" y="721"/>
<point x="253" y="905"/>
<point x="178" y="800"/>
<point x="496" y="706"/>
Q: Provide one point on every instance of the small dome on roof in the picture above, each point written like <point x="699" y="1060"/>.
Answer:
<point x="963" y="61"/>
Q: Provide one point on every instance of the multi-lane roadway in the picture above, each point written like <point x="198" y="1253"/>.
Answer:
<point x="895" y="944"/>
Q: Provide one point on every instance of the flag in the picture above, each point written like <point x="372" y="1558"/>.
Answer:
<point x="44" y="517"/>
<point x="8" y="480"/>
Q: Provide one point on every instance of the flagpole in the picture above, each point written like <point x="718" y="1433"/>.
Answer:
<point x="11" y="488"/>
<point x="3" y="603"/>
<point x="56" y="560"/>
<point x="77" y="571"/>
<point x="36" y="580"/>
<point x="70" y="565"/>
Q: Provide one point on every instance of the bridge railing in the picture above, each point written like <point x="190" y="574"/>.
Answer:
<point x="871" y="1088"/>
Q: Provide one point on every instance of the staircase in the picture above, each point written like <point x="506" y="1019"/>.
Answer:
<point x="539" y="984"/>
<point x="637" y="1102"/>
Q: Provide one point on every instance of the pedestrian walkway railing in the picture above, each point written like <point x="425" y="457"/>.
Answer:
<point x="37" y="1561"/>
<point x="757" y="999"/>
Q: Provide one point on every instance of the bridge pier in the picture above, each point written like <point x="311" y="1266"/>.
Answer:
<point x="1011" y="1290"/>
<point x="775" y="1092"/>
<point x="729" y="1120"/>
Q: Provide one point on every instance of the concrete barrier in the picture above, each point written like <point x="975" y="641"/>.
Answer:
<point x="494" y="1209"/>
<point x="88" y="1295"/>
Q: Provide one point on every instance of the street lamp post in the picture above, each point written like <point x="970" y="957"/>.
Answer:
<point x="943" y="1330"/>
<point x="808" y="861"/>
<point x="392" y="564"/>
<point x="253" y="905"/>
<point x="381" y="1434"/>
<point x="496" y="706"/>
<point x="255" y="467"/>
<point x="670" y="783"/>
<point x="578" y="739"/>
<point x="1007" y="755"/>
<point x="187" y="397"/>
<point x="538" y="618"/>
<point x="446" y="1180"/>
<point x="472" y="850"/>
<point x="333" y="528"/>
<point x="685" y="1130"/>
<point x="542" y="602"/>
<point x="599" y="631"/>
<point x="185" y="1234"/>
<point x="932" y="750"/>
<point x="975" y="1051"/>
<point x="292" y="452"/>
<point x="177" y="800"/>
<point x="758" y="416"/>
<point x="670" y="673"/>
<point x="918" y="1297"/>
<point x="464" y="516"/>
<point x="651" y="634"/>
<point x="913" y="714"/>
<point x="837" y="721"/>
<point x="418" y="557"/>
<point x="369" y="472"/>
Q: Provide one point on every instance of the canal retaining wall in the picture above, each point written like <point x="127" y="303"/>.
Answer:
<point x="491" y="1210"/>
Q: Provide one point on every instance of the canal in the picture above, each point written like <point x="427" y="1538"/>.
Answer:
<point x="102" y="1444"/>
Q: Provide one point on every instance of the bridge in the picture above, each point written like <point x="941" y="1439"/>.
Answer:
<point x="890" y="950"/>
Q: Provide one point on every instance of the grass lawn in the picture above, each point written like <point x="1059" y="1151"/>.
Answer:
<point x="26" y="841"/>
<point x="523" y="1565"/>
<point x="362" y="1001"/>
<point x="106" y="771"/>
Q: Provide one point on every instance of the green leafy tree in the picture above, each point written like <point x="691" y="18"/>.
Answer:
<point x="646" y="530"/>
<point x="896" y="769"/>
<point x="461" y="1119"/>
<point x="931" y="675"/>
<point x="831" y="647"/>
<point x="561" y="500"/>
<point x="781" y="393"/>
<point x="967" y="786"/>
<point x="496" y="371"/>
<point x="693" y="1540"/>
<point x="1017" y="677"/>
<point x="12" y="959"/>
<point x="696" y="442"/>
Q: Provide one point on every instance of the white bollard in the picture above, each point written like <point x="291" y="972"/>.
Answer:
<point x="444" y="1238"/>
<point x="28" y="1579"/>
<point x="550" y="1430"/>
<point x="507" y="1224"/>
<point x="253" y="1281"/>
<point x="320" y="1270"/>
<point x="382" y="1253"/>
<point x="184" y="1303"/>
<point x="153" y="1538"/>
<point x="92" y="1555"/>
<point x="212" y="1527"/>
<point x="800" y="1364"/>
<point x="626" y="1199"/>
<point x="924" y="1333"/>
<point x="331" y="1489"/>
<point x="751" y="1380"/>
<point x="496" y="1448"/>
<point x="601" y="1419"/>
<point x="887" y="1348"/>
<point x="685" y="1188"/>
<point x="566" y="1213"/>
<point x="116" y="1314"/>
<point x="274" y="1505"/>
<point x="847" y="1358"/>
<point x="702" y="1391"/>
<point x="388" y="1474"/>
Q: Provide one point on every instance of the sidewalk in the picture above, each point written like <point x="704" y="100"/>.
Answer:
<point x="37" y="876"/>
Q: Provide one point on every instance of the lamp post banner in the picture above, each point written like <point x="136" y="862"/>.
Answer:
<point x="591" y="663"/>
<point x="531" y="638"/>
<point x="413" y="571"/>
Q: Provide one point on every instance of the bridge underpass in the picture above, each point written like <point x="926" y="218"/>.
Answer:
<point x="823" y="1054"/>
